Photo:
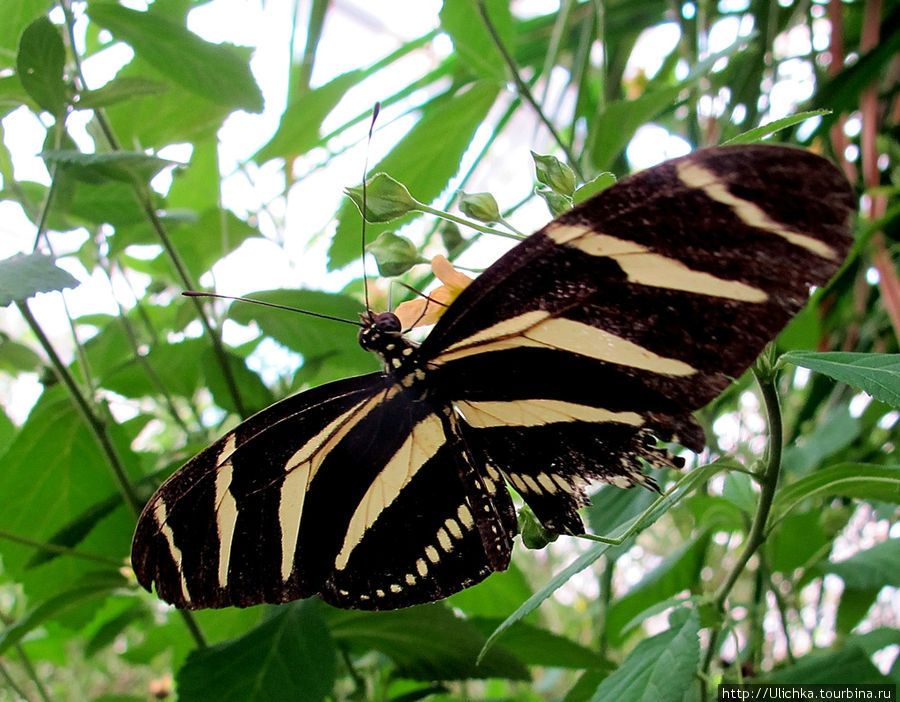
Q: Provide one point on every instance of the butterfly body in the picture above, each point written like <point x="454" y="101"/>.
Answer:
<point x="563" y="363"/>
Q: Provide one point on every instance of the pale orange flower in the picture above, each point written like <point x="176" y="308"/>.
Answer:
<point x="423" y="311"/>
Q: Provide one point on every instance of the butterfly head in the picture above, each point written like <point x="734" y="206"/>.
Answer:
<point x="383" y="334"/>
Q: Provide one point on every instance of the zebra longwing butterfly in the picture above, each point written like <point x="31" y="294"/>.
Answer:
<point x="563" y="363"/>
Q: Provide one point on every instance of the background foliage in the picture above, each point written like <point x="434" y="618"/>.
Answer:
<point x="749" y="567"/>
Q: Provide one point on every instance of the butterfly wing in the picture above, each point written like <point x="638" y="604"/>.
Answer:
<point x="319" y="493"/>
<point x="613" y="323"/>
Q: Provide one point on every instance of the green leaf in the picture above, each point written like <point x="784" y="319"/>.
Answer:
<point x="498" y="595"/>
<point x="301" y="121"/>
<point x="536" y="646"/>
<point x="119" y="90"/>
<point x="73" y="532"/>
<point x="217" y="72"/>
<point x="859" y="480"/>
<point x="680" y="571"/>
<point x="329" y="349"/>
<point x="24" y="275"/>
<point x="834" y="431"/>
<point x="99" y="584"/>
<point x="848" y="665"/>
<point x="876" y="373"/>
<point x="425" y="162"/>
<point x="659" y="669"/>
<point x="871" y="569"/>
<point x="592" y="187"/>
<point x="661" y="505"/>
<point x="17" y="16"/>
<point x="124" y="166"/>
<point x="797" y="539"/>
<point x="289" y="658"/>
<point x="759" y="133"/>
<point x="427" y="642"/>
<point x="253" y="392"/>
<point x="474" y="45"/>
<point x="40" y="64"/>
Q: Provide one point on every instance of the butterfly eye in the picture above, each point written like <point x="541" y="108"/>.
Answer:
<point x="387" y="322"/>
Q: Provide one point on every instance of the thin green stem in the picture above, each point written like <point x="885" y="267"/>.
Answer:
<point x="525" y="91"/>
<point x="467" y="222"/>
<point x="768" y="481"/>
<point x="4" y="673"/>
<point x="32" y="673"/>
<point x="60" y="550"/>
<point x="96" y="424"/>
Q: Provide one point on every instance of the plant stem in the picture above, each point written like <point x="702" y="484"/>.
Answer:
<point x="768" y="480"/>
<point x="97" y="425"/>
<point x="525" y="91"/>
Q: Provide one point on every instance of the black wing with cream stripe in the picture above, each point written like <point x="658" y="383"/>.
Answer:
<point x="564" y="362"/>
<point x="321" y="493"/>
<point x="612" y="324"/>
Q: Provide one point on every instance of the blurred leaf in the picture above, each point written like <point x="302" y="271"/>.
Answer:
<point x="848" y="665"/>
<point x="866" y="482"/>
<point x="427" y="642"/>
<point x="661" y="505"/>
<point x="218" y="72"/>
<point x="15" y="357"/>
<point x="876" y="373"/>
<point x="17" y="16"/>
<point x="473" y="43"/>
<point x="301" y="121"/>
<point x="253" y="392"/>
<point x="315" y="338"/>
<point x="535" y="646"/>
<point x="798" y="538"/>
<point x="291" y="656"/>
<point x="124" y="166"/>
<point x="759" y="133"/>
<point x="679" y="571"/>
<point x="54" y="606"/>
<point x="25" y="275"/>
<point x="72" y="533"/>
<point x="835" y="430"/>
<point x="739" y="491"/>
<point x="592" y="187"/>
<point x="660" y="668"/>
<point x="118" y="90"/>
<point x="40" y="63"/>
<point x="873" y="568"/>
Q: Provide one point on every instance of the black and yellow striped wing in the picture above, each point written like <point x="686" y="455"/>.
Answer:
<point x="563" y="363"/>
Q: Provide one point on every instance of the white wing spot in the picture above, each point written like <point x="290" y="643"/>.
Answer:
<point x="421" y="567"/>
<point x="396" y="588"/>
<point x="379" y="593"/>
<point x="410" y="579"/>
<point x="465" y="517"/>
<point x="444" y="540"/>
<point x="432" y="554"/>
<point x="453" y="527"/>
<point x="532" y="484"/>
<point x="563" y="483"/>
<point x="547" y="483"/>
<point x="518" y="483"/>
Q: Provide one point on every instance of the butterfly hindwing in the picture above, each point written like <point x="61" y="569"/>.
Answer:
<point x="319" y="494"/>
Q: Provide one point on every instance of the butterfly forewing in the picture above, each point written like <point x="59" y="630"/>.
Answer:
<point x="636" y="308"/>
<point x="564" y="362"/>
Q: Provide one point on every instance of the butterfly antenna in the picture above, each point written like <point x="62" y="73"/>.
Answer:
<point x="375" y="111"/>
<point x="194" y="293"/>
